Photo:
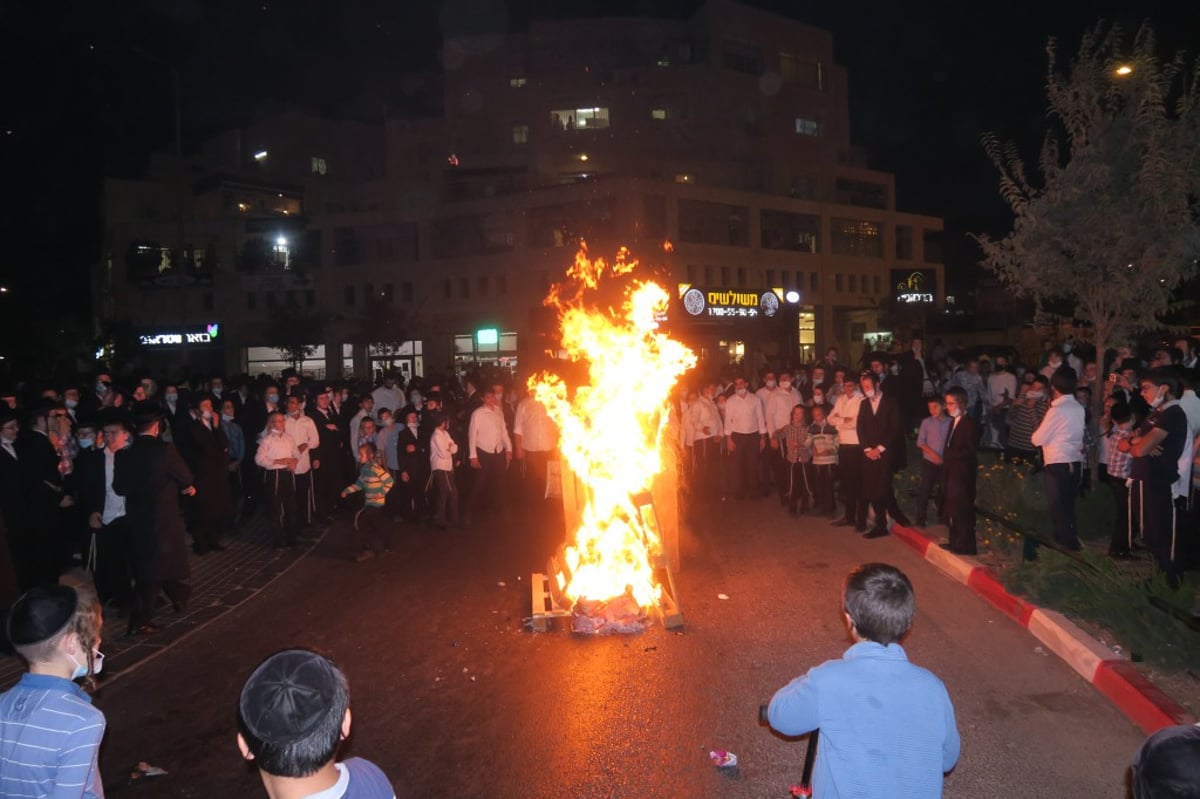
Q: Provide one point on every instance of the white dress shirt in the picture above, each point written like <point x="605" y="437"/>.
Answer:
<point x="701" y="414"/>
<point x="275" y="446"/>
<point x="535" y="427"/>
<point x="487" y="432"/>
<point x="355" y="423"/>
<point x="114" y="503"/>
<point x="441" y="451"/>
<point x="844" y="417"/>
<point x="744" y="415"/>
<point x="1060" y="435"/>
<point x="303" y="431"/>
<point x="779" y="406"/>
<point x="1191" y="409"/>
<point x="391" y="398"/>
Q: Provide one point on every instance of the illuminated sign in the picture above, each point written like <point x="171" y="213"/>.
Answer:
<point x="915" y="286"/>
<point x="488" y="335"/>
<point x="179" y="338"/>
<point x="729" y="303"/>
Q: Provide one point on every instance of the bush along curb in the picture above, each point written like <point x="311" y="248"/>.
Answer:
<point x="1116" y="678"/>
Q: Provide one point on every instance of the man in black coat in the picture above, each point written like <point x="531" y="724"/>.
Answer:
<point x="42" y="467"/>
<point x="413" y="474"/>
<point x="207" y="455"/>
<point x="152" y="475"/>
<point x="12" y="509"/>
<point x="960" y="460"/>
<point x="105" y="515"/>
<point x="878" y="432"/>
<point x="329" y="478"/>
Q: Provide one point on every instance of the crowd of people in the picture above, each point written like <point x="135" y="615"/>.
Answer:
<point x="825" y="435"/>
<point x="122" y="477"/>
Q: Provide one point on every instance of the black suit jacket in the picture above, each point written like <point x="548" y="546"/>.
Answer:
<point x="150" y="475"/>
<point x="961" y="457"/>
<point x="880" y="427"/>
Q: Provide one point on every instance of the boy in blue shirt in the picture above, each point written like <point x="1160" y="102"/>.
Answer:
<point x="887" y="727"/>
<point x="49" y="732"/>
<point x="293" y="714"/>
<point x="931" y="440"/>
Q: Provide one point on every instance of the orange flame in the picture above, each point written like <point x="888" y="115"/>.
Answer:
<point x="611" y="428"/>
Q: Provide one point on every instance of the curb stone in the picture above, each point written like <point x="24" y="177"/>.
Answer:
<point x="1114" y="677"/>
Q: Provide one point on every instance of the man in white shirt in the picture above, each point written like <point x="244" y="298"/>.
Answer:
<point x="704" y="430"/>
<point x="303" y="431"/>
<point x="746" y="440"/>
<point x="850" y="455"/>
<point x="1190" y="404"/>
<point x="535" y="437"/>
<point x="1001" y="391"/>
<point x="1060" y="435"/>
<point x="490" y="450"/>
<point x="366" y="410"/>
<point x="778" y="413"/>
<point x="389" y="395"/>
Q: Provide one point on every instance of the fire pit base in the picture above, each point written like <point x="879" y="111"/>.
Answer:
<point x="548" y="604"/>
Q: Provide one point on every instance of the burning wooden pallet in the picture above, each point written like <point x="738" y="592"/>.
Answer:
<point x="546" y="596"/>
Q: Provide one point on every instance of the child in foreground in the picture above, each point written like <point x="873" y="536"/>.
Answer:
<point x="49" y="732"/>
<point x="887" y="727"/>
<point x="293" y="714"/>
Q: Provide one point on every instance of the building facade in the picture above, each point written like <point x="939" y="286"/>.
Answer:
<point x="717" y="149"/>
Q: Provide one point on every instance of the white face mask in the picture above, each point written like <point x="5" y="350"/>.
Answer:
<point x="217" y="390"/>
<point x="1035" y="394"/>
<point x="412" y="426"/>
<point x="785" y="384"/>
<point x="741" y="392"/>
<point x="1158" y="400"/>
<point x="769" y="383"/>
<point x="171" y="398"/>
<point x="227" y="417"/>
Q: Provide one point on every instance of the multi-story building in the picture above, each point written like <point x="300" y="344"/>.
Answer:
<point x="430" y="242"/>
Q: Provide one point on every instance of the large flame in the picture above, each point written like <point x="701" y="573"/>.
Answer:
<point x="611" y="428"/>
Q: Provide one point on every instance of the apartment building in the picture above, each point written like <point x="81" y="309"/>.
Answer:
<point x="425" y="244"/>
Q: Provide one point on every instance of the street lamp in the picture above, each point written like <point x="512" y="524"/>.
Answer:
<point x="1123" y="70"/>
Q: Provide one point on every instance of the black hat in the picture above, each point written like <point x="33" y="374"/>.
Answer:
<point x="147" y="411"/>
<point x="1168" y="764"/>
<point x="288" y="696"/>
<point x="40" y="614"/>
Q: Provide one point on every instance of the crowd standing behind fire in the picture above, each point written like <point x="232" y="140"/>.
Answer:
<point x="117" y="475"/>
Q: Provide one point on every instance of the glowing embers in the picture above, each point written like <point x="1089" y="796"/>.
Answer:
<point x="611" y="421"/>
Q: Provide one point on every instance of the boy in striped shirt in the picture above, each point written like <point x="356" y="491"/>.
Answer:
<point x="49" y="732"/>
<point x="371" y="522"/>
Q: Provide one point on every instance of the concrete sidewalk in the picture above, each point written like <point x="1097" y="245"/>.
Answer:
<point x="221" y="581"/>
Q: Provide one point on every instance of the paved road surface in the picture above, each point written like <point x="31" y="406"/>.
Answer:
<point x="454" y="699"/>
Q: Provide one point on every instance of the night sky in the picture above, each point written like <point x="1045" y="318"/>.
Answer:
<point x="88" y="90"/>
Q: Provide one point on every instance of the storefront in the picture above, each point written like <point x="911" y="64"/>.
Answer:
<point x="177" y="351"/>
<point x="746" y="327"/>
<point x="272" y="361"/>
<point x="405" y="357"/>
<point x="486" y="348"/>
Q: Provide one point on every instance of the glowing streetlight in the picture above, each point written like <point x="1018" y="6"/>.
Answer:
<point x="261" y="155"/>
<point x="792" y="296"/>
<point x="281" y="241"/>
<point x="583" y="156"/>
<point x="1123" y="70"/>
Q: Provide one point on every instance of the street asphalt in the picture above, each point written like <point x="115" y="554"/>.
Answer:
<point x="453" y="696"/>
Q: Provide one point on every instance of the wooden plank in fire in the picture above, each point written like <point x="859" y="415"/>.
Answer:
<point x="672" y="615"/>
<point x="542" y="602"/>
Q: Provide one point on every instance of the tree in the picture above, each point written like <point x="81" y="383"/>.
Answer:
<point x="294" y="335"/>
<point x="1109" y="226"/>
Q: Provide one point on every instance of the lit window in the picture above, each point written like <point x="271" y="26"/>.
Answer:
<point x="658" y="113"/>
<point x="319" y="167"/>
<point x="579" y="118"/>
<point x="808" y="127"/>
<point x="684" y="177"/>
<point x="282" y="252"/>
<point x="663" y="61"/>
<point x="261" y="156"/>
<point x="520" y="134"/>
<point x="517" y="83"/>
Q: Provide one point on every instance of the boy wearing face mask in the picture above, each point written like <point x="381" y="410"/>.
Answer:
<point x="1024" y="417"/>
<point x="49" y="731"/>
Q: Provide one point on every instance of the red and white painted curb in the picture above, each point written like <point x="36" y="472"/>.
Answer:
<point x="1114" y="677"/>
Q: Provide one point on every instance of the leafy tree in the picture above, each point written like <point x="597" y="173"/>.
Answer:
<point x="1107" y="224"/>
<point x="294" y="335"/>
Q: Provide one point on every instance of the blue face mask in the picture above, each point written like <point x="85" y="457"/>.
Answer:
<point x="81" y="669"/>
<point x="86" y="443"/>
<point x="273" y="399"/>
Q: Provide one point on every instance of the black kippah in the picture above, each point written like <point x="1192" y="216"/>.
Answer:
<point x="287" y="696"/>
<point x="40" y="614"/>
<point x="1168" y="764"/>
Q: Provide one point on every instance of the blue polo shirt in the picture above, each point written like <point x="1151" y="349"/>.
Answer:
<point x="933" y="433"/>
<point x="887" y="726"/>
<point x="49" y="739"/>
